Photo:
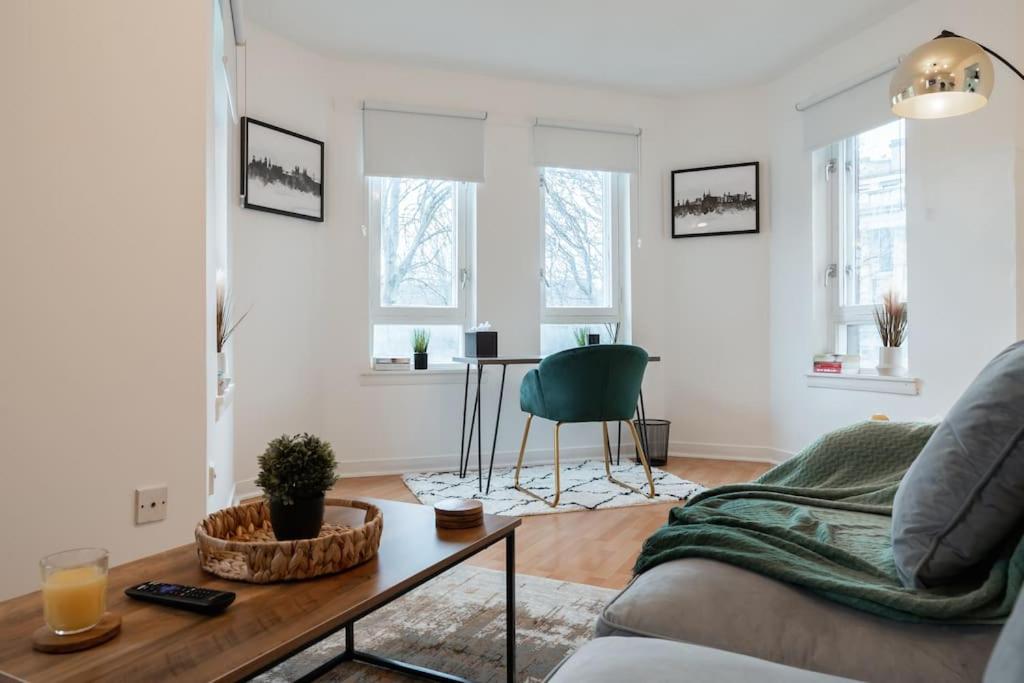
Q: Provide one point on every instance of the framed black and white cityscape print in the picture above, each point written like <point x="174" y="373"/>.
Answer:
<point x="715" y="200"/>
<point x="282" y="171"/>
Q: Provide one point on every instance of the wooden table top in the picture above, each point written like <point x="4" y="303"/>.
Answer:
<point x="266" y="622"/>
<point x="516" y="360"/>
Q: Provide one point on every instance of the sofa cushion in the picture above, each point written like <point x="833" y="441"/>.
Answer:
<point x="1007" y="662"/>
<point x="963" y="494"/>
<point x="614" y="660"/>
<point x="718" y="605"/>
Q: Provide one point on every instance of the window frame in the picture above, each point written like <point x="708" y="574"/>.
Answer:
<point x="462" y="314"/>
<point x="841" y="188"/>
<point x="617" y="191"/>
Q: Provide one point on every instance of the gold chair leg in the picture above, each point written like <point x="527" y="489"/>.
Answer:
<point x="519" y="466"/>
<point x="606" y="447"/>
<point x="640" y="453"/>
<point x="522" y="448"/>
<point x="643" y="457"/>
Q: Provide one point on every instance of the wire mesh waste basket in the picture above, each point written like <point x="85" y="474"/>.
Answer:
<point x="654" y="438"/>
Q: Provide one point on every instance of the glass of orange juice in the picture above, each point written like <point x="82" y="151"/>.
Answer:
<point x="74" y="589"/>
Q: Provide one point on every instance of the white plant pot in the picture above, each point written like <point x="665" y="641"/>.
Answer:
<point x="221" y="373"/>
<point x="892" y="360"/>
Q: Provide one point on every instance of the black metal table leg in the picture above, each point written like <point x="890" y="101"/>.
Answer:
<point x="351" y="654"/>
<point x="469" y="443"/>
<point x="479" y="430"/>
<point x="618" y="449"/>
<point x="465" y="405"/>
<point x="497" y="422"/>
<point x="510" y="607"/>
<point x="642" y="417"/>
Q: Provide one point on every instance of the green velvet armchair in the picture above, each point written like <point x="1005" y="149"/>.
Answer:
<point x="598" y="383"/>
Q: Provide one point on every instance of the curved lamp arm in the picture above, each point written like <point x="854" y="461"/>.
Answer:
<point x="950" y="34"/>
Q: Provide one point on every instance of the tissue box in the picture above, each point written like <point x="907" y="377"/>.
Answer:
<point x="482" y="344"/>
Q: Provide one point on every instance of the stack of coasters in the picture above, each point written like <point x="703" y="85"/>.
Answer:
<point x="458" y="513"/>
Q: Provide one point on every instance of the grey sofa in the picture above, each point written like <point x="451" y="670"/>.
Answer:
<point x="701" y="620"/>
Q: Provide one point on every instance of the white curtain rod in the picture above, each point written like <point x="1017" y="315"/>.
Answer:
<point x="427" y="111"/>
<point x="597" y="128"/>
<point x="881" y="69"/>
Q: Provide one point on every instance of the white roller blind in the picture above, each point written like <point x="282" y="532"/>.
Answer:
<point x="594" y="148"/>
<point x="401" y="142"/>
<point x="856" y="110"/>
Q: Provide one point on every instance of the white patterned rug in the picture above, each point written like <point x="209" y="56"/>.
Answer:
<point x="584" y="487"/>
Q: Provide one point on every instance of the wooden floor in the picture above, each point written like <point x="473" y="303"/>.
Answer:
<point x="595" y="547"/>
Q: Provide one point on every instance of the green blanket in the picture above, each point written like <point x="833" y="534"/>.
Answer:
<point x="822" y="521"/>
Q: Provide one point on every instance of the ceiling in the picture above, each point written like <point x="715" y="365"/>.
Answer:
<point x="665" y="47"/>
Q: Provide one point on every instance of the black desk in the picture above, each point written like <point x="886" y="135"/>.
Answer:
<point x="504" y="361"/>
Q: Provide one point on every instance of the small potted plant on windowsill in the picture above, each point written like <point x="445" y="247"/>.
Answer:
<point x="420" y="344"/>
<point x="580" y="335"/>
<point x="891" y="321"/>
<point x="224" y="331"/>
<point x="295" y="473"/>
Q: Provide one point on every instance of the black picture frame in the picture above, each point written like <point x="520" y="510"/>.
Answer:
<point x="271" y="131"/>
<point x="742" y="187"/>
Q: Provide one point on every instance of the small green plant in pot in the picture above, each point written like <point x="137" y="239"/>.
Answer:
<point x="580" y="334"/>
<point x="295" y="473"/>
<point x="420" y="344"/>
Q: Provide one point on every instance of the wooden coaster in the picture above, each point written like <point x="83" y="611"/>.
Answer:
<point x="46" y="640"/>
<point x="458" y="513"/>
<point x="464" y="525"/>
<point x="459" y="506"/>
<point x="448" y="515"/>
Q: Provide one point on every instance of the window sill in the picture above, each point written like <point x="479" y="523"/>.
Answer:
<point x="865" y="381"/>
<point x="445" y="374"/>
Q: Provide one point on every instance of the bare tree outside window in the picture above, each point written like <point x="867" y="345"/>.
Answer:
<point x="418" y="243"/>
<point x="576" y="239"/>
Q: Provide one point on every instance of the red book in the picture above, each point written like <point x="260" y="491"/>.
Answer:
<point x="828" y="367"/>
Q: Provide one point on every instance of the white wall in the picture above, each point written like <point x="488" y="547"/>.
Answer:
<point x="732" y="316"/>
<point x="716" y="311"/>
<point x="961" y="229"/>
<point x="101" y="275"/>
<point x="303" y="348"/>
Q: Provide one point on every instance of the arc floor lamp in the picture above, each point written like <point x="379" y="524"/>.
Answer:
<point x="947" y="76"/>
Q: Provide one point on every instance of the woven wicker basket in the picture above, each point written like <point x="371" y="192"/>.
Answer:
<point x="238" y="543"/>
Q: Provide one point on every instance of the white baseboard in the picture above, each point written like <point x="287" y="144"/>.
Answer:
<point x="449" y="463"/>
<point x="348" y="469"/>
<point x="243" y="489"/>
<point x="721" y="451"/>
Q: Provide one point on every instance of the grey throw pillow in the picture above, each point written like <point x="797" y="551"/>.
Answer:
<point x="964" y="494"/>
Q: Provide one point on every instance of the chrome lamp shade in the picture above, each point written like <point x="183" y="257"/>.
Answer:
<point x="948" y="76"/>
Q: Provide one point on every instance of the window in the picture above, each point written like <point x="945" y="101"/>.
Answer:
<point x="867" y="221"/>
<point x="420" y="264"/>
<point x="581" y="278"/>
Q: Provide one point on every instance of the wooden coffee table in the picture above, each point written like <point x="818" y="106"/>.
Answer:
<point x="267" y="623"/>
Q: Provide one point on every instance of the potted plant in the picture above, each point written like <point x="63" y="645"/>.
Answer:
<point x="580" y="335"/>
<point x="891" y="320"/>
<point x="295" y="473"/>
<point x="224" y="331"/>
<point x="420" y="344"/>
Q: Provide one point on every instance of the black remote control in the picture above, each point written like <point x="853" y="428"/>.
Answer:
<point x="192" y="598"/>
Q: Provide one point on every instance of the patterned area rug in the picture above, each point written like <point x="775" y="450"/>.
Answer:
<point x="584" y="487"/>
<point x="456" y="624"/>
